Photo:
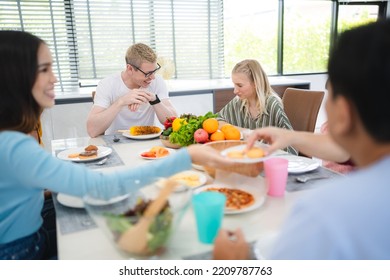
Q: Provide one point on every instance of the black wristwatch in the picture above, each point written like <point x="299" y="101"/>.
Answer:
<point x="155" y="101"/>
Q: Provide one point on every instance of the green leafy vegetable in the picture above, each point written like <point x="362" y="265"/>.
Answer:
<point x="159" y="230"/>
<point x="185" y="135"/>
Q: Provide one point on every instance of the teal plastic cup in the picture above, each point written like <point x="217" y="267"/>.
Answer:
<point x="209" y="209"/>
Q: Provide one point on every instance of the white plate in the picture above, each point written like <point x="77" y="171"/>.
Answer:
<point x="298" y="164"/>
<point x="151" y="158"/>
<point x="258" y="193"/>
<point x="140" y="137"/>
<point x="101" y="153"/>
<point x="245" y="159"/>
<point x="70" y="201"/>
<point x="200" y="181"/>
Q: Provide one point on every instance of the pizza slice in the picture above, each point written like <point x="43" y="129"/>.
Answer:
<point x="236" y="199"/>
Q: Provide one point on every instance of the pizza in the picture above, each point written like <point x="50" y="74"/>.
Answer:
<point x="236" y="199"/>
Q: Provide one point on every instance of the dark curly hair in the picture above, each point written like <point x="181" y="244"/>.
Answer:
<point x="18" y="71"/>
<point x="359" y="70"/>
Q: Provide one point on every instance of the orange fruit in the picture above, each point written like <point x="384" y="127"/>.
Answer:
<point x="232" y="133"/>
<point x="210" y="125"/>
<point x="225" y="127"/>
<point x="217" y="136"/>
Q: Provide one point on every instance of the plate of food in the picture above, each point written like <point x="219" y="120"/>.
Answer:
<point x="255" y="154"/>
<point x="298" y="164"/>
<point x="142" y="132"/>
<point x="156" y="152"/>
<point x="189" y="178"/>
<point x="238" y="200"/>
<point x="70" y="200"/>
<point x="82" y="154"/>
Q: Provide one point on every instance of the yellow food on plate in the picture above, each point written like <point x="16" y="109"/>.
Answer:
<point x="159" y="151"/>
<point x="191" y="180"/>
<point x="73" y="155"/>
<point x="255" y="153"/>
<point x="235" y="154"/>
<point x="144" y="130"/>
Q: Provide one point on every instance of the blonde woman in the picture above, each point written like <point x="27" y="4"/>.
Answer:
<point x="256" y="105"/>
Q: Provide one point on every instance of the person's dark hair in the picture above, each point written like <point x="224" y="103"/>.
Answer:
<point x="359" y="70"/>
<point x="18" y="71"/>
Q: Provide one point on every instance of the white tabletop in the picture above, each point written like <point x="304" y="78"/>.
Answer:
<point x="262" y="223"/>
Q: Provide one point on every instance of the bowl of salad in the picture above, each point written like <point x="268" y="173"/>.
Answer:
<point x="117" y="215"/>
<point x="180" y="132"/>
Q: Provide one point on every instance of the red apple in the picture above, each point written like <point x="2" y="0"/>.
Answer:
<point x="201" y="136"/>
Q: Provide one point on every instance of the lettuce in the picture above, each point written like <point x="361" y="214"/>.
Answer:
<point x="185" y="135"/>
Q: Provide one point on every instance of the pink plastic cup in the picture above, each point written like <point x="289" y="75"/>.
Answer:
<point x="276" y="176"/>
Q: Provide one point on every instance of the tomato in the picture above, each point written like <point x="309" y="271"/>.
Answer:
<point x="149" y="154"/>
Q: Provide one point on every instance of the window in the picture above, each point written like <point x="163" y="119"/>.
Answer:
<point x="355" y="14"/>
<point x="89" y="38"/>
<point x="306" y="36"/>
<point x="251" y="31"/>
<point x="290" y="36"/>
<point x="46" y="19"/>
<point x="195" y="39"/>
<point x="185" y="34"/>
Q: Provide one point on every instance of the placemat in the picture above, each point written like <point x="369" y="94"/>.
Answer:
<point x="293" y="185"/>
<point x="72" y="219"/>
<point x="113" y="159"/>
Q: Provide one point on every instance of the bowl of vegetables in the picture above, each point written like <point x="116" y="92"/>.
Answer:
<point x="118" y="216"/>
<point x="179" y="132"/>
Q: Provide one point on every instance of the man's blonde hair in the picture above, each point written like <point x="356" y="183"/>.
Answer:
<point x="139" y="53"/>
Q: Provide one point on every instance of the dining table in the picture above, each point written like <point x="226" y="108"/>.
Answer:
<point x="78" y="237"/>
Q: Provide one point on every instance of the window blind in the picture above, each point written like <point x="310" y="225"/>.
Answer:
<point x="187" y="32"/>
<point x="89" y="38"/>
<point x="50" y="21"/>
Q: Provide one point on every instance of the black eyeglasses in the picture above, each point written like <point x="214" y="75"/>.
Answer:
<point x="148" y="74"/>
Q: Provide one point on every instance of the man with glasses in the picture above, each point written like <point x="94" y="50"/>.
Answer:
<point x="133" y="97"/>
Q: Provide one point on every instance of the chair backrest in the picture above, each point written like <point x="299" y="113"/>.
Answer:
<point x="301" y="107"/>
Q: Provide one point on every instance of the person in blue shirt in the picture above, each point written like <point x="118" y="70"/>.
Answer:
<point x="347" y="218"/>
<point x="26" y="170"/>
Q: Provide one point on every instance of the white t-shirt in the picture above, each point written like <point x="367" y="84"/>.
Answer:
<point x="112" y="87"/>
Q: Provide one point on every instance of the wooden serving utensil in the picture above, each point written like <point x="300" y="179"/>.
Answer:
<point x="134" y="240"/>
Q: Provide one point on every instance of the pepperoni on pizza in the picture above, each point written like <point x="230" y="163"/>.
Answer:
<point x="235" y="198"/>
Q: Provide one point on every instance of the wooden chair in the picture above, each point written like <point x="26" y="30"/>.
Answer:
<point x="302" y="107"/>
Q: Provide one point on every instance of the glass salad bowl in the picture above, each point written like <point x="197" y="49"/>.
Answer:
<point x="120" y="216"/>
